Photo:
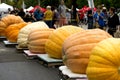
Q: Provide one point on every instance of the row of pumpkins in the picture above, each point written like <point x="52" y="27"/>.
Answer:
<point x="93" y="52"/>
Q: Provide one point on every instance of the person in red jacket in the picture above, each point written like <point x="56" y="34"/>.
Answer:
<point x="81" y="16"/>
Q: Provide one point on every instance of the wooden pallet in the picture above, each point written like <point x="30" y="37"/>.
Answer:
<point x="29" y="55"/>
<point x="9" y="44"/>
<point x="2" y="38"/>
<point x="49" y="62"/>
<point x="21" y="50"/>
<point x="66" y="74"/>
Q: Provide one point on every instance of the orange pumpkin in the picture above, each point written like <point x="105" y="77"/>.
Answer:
<point x="13" y="30"/>
<point x="37" y="39"/>
<point x="77" y="48"/>
<point x="2" y="28"/>
<point x="8" y="20"/>
<point x="11" y="19"/>
<point x="54" y="44"/>
<point x="24" y="32"/>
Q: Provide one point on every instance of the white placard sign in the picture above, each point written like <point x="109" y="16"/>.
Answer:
<point x="91" y="3"/>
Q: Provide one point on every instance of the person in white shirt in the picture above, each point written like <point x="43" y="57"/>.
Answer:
<point x="62" y="11"/>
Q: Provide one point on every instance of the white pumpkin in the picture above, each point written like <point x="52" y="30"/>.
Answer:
<point x="24" y="32"/>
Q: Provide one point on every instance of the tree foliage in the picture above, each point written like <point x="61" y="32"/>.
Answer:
<point x="81" y="3"/>
<point x="29" y="3"/>
<point x="44" y="3"/>
<point x="108" y="3"/>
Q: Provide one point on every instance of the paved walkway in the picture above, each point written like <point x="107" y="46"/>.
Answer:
<point x="14" y="66"/>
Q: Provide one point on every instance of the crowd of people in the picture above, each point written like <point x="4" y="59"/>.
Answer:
<point x="102" y="18"/>
<point x="53" y="16"/>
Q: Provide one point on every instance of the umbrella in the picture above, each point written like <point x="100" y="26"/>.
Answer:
<point x="85" y="9"/>
<point x="42" y="9"/>
<point x="30" y="8"/>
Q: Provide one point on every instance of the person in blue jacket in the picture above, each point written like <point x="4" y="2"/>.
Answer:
<point x="38" y="15"/>
<point x="99" y="18"/>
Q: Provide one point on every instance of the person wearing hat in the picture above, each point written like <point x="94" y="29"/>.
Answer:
<point x="48" y="15"/>
<point x="104" y="10"/>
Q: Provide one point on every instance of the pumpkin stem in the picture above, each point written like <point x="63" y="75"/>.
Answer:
<point x="64" y="59"/>
<point x="119" y="70"/>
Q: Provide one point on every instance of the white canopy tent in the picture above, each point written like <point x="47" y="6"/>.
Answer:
<point x="4" y="7"/>
<point x="28" y="9"/>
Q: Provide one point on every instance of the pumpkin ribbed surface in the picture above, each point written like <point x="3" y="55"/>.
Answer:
<point x="77" y="48"/>
<point x="37" y="40"/>
<point x="54" y="44"/>
<point x="7" y="21"/>
<point x="11" y="19"/>
<point x="13" y="30"/>
<point x="104" y="62"/>
<point x="24" y="32"/>
<point x="2" y="28"/>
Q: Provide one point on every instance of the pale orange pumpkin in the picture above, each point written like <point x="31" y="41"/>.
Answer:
<point x="37" y="39"/>
<point x="24" y="32"/>
<point x="54" y="44"/>
<point x="77" y="48"/>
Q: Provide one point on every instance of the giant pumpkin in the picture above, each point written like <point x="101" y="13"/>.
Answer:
<point x="37" y="39"/>
<point x="2" y="28"/>
<point x="11" y="19"/>
<point x="77" y="48"/>
<point x="7" y="21"/>
<point x="24" y="32"/>
<point x="13" y="30"/>
<point x="53" y="45"/>
<point x="104" y="62"/>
